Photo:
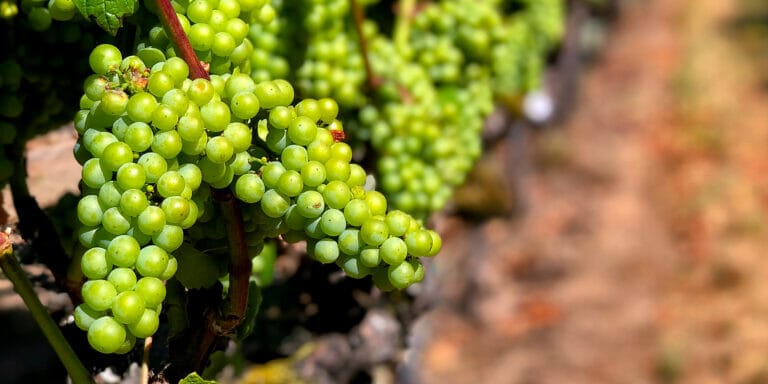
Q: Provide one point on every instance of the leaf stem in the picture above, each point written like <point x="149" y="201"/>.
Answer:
<point x="181" y="44"/>
<point x="21" y="283"/>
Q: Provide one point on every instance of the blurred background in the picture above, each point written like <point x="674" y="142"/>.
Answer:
<point x="617" y="232"/>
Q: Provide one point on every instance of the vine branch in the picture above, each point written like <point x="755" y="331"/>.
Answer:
<point x="236" y="302"/>
<point x="181" y="44"/>
<point x="374" y="82"/>
<point x="22" y="285"/>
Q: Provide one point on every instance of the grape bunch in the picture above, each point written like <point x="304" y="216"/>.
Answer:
<point x="332" y="65"/>
<point x="156" y="146"/>
<point x="217" y="31"/>
<point x="40" y="14"/>
<point x="137" y="195"/>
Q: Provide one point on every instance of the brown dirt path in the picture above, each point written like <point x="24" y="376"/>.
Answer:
<point x="570" y="292"/>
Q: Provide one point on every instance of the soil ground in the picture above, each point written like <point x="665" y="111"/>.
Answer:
<point x="637" y="253"/>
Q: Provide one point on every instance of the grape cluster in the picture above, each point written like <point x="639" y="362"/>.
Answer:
<point x="40" y="14"/>
<point x="438" y="81"/>
<point x="332" y="65"/>
<point x="217" y="31"/>
<point x="137" y="196"/>
<point x="267" y="59"/>
<point x="314" y="193"/>
<point x="155" y="146"/>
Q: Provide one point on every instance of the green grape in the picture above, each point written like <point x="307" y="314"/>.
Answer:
<point x="219" y="149"/>
<point x="313" y="173"/>
<point x="169" y="238"/>
<point x="146" y="325"/>
<point x="123" y="279"/>
<point x="356" y="212"/>
<point x="374" y="231"/>
<point x="401" y="275"/>
<point x="154" y="166"/>
<point x="94" y="263"/>
<point x="326" y="251"/>
<point x="133" y="202"/>
<point x="109" y="195"/>
<point x="354" y="268"/>
<point x="89" y="211"/>
<point x="151" y="220"/>
<point x="141" y="107"/>
<point x="138" y="136"/>
<point x="152" y="290"/>
<point x="128" y="307"/>
<point x="393" y="251"/>
<point x="337" y="194"/>
<point x="131" y="176"/>
<point x="419" y="242"/>
<point x="170" y="184"/>
<point x="123" y="251"/>
<point x="350" y="242"/>
<point x="106" y="335"/>
<point x="310" y="204"/>
<point x="104" y="58"/>
<point x="290" y="183"/>
<point x="332" y="222"/>
<point x="98" y="294"/>
<point x="274" y="204"/>
<point x="85" y="316"/>
<point x="152" y="261"/>
<point x="115" y="222"/>
<point x="249" y="188"/>
<point x="176" y="209"/>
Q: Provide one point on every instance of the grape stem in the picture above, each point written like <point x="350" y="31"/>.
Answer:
<point x="405" y="13"/>
<point x="181" y="44"/>
<point x="234" y="306"/>
<point x="374" y="82"/>
<point x="145" y="360"/>
<point x="210" y="318"/>
<point x="13" y="271"/>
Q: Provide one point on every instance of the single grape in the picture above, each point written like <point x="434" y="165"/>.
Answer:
<point x="128" y="307"/>
<point x="326" y="251"/>
<point x="169" y="238"/>
<point x="401" y="275"/>
<point x="85" y="316"/>
<point x="123" y="279"/>
<point x="310" y="204"/>
<point x="152" y="261"/>
<point x="123" y="251"/>
<point x="94" y="263"/>
<point x="106" y="335"/>
<point x="146" y="325"/>
<point x="249" y="188"/>
<point x="152" y="290"/>
<point x="98" y="294"/>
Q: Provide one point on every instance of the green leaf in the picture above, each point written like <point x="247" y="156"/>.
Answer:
<point x="194" y="378"/>
<point x="108" y="14"/>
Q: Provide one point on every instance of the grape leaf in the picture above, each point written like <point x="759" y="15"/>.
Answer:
<point x="108" y="14"/>
<point x="194" y="378"/>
